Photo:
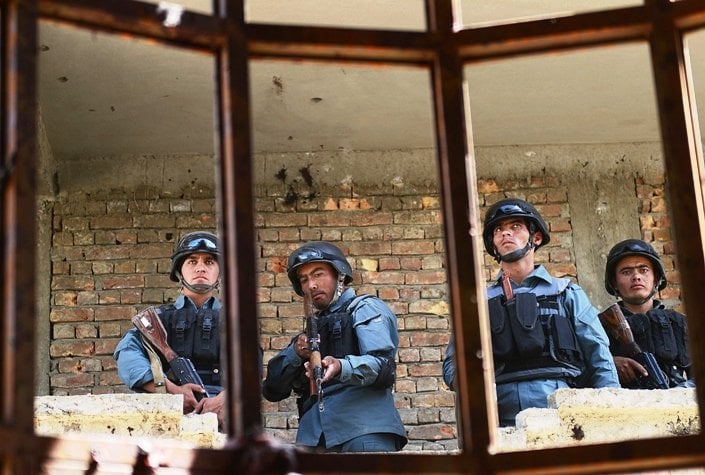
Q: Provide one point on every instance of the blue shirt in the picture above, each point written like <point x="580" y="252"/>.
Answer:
<point x="600" y="371"/>
<point x="351" y="407"/>
<point x="132" y="361"/>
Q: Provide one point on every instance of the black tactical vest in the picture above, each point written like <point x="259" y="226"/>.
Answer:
<point x="664" y="333"/>
<point x="195" y="334"/>
<point x="339" y="339"/>
<point x="533" y="338"/>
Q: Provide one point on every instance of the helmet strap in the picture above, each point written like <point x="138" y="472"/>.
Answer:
<point x="198" y="288"/>
<point x="339" y="288"/>
<point x="514" y="255"/>
<point x="632" y="301"/>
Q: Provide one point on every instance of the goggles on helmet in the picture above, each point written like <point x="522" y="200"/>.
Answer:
<point x="201" y="243"/>
<point x="506" y="210"/>
<point x="635" y="247"/>
<point x="306" y="255"/>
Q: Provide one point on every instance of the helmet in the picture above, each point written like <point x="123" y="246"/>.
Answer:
<point x="317" y="251"/>
<point x="198" y="241"/>
<point x="632" y="247"/>
<point x="512" y="208"/>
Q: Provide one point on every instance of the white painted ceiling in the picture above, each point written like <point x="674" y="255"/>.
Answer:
<point x="103" y="95"/>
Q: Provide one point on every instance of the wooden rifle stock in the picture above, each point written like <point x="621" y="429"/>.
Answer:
<point x="616" y="324"/>
<point x="152" y="329"/>
<point x="315" y="349"/>
<point x="507" y="286"/>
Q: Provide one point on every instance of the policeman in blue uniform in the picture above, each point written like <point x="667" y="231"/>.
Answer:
<point x="193" y="325"/>
<point x="545" y="337"/>
<point x="358" y="343"/>
<point x="634" y="273"/>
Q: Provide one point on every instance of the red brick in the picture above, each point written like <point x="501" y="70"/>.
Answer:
<point x="123" y="282"/>
<point x="106" y="346"/>
<point x="385" y="278"/>
<point x="71" y="314"/>
<point x="71" y="380"/>
<point x="71" y="348"/>
<point x="429" y="339"/>
<point x="66" y="282"/>
<point x="107" y="313"/>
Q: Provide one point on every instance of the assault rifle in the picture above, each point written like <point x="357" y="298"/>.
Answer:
<point x="182" y="370"/>
<point x="315" y="349"/>
<point x="617" y="326"/>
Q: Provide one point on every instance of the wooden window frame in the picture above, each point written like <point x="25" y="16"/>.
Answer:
<point x="445" y="51"/>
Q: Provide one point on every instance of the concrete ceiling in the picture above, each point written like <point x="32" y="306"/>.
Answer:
<point x="102" y="95"/>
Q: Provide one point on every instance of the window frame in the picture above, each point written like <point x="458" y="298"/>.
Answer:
<point x="445" y="51"/>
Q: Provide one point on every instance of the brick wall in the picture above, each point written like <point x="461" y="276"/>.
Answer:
<point x="110" y="257"/>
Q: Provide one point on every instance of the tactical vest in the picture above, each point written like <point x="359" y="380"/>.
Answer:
<point x="665" y="334"/>
<point x="195" y="334"/>
<point x="532" y="337"/>
<point x="339" y="339"/>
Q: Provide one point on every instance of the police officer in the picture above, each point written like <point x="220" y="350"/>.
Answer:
<point x="634" y="273"/>
<point x="192" y="323"/>
<point x="358" y="345"/>
<point x="546" y="335"/>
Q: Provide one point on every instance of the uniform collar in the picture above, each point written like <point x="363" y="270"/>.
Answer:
<point x="347" y="295"/>
<point x="539" y="273"/>
<point x="657" y="305"/>
<point x="183" y="301"/>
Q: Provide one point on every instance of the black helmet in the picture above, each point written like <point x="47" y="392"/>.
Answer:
<point x="632" y="247"/>
<point x="198" y="241"/>
<point x="317" y="251"/>
<point x="512" y="208"/>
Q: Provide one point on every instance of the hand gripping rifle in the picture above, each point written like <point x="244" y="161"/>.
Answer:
<point x="315" y="349"/>
<point x="617" y="326"/>
<point x="154" y="334"/>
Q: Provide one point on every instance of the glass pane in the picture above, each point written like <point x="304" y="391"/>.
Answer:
<point x="345" y="154"/>
<point x="575" y="135"/>
<point x="695" y="44"/>
<point x="484" y="12"/>
<point x="127" y="168"/>
<point x="388" y="15"/>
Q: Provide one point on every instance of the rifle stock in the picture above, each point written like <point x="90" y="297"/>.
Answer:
<point x="507" y="286"/>
<point x="314" y="348"/>
<point x="616" y="324"/>
<point x="152" y="329"/>
<point x="614" y="321"/>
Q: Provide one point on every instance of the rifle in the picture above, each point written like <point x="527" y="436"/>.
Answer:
<point x="152" y="329"/>
<point x="617" y="326"/>
<point x="507" y="286"/>
<point x="315" y="349"/>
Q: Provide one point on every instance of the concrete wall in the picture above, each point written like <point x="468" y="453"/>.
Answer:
<point x="115" y="222"/>
<point x="574" y="417"/>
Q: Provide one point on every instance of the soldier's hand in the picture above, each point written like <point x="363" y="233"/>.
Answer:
<point x="331" y="368"/>
<point x="187" y="390"/>
<point x="628" y="369"/>
<point x="213" y="404"/>
<point x="301" y="347"/>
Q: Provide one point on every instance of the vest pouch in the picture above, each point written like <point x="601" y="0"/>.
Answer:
<point x="665" y="347"/>
<point x="338" y="337"/>
<point x="206" y="342"/>
<point x="565" y="346"/>
<point x="680" y="330"/>
<point x="526" y="327"/>
<point x="502" y="340"/>
<point x="180" y="330"/>
<point x="641" y="329"/>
